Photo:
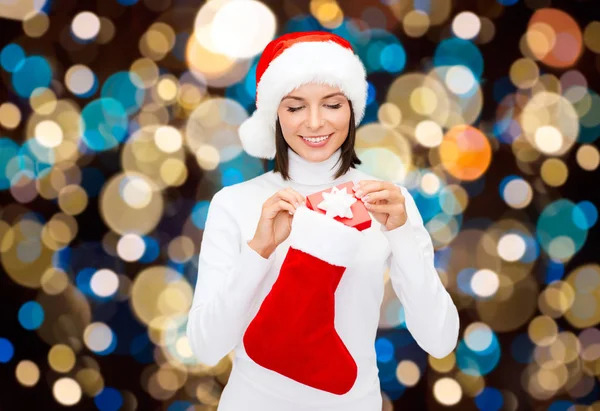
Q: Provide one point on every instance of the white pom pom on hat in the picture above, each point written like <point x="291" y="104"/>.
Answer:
<point x="290" y="61"/>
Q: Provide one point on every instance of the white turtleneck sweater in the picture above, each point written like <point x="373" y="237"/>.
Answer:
<point x="233" y="280"/>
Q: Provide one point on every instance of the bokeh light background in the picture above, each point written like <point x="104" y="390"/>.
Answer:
<point x="118" y="123"/>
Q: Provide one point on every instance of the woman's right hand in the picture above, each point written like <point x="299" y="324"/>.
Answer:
<point x="275" y="222"/>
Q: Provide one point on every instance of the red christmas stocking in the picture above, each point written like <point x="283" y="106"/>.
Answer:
<point x="293" y="332"/>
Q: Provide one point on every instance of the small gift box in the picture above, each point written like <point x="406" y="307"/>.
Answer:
<point x="340" y="203"/>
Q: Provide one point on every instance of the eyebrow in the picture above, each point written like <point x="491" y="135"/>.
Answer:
<point x="301" y="99"/>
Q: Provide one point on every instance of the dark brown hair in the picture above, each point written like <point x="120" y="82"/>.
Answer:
<point x="348" y="155"/>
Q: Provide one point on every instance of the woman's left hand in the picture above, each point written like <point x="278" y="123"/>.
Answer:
<point x="384" y="200"/>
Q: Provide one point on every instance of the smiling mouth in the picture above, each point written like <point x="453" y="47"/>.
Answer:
<point x="317" y="139"/>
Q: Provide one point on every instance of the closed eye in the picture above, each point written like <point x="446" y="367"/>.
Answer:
<point x="332" y="106"/>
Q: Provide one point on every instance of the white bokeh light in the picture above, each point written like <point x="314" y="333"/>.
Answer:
<point x="104" y="283"/>
<point x="460" y="79"/>
<point x="85" y="25"/>
<point x="48" y="134"/>
<point x="66" y="391"/>
<point x="511" y="247"/>
<point x="242" y="29"/>
<point x="485" y="283"/>
<point x="131" y="247"/>
<point x="79" y="79"/>
<point x="447" y="391"/>
<point x="548" y="139"/>
<point x="98" y="337"/>
<point x="429" y="133"/>
<point x="168" y="139"/>
<point x="136" y="192"/>
<point x="518" y="193"/>
<point x="466" y="25"/>
<point x="478" y="336"/>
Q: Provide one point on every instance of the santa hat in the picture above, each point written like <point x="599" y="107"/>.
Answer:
<point x="290" y="61"/>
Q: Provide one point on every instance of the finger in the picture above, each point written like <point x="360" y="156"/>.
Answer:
<point x="279" y="206"/>
<point x="284" y="195"/>
<point x="381" y="208"/>
<point x="292" y="196"/>
<point x="299" y="197"/>
<point x="369" y="186"/>
<point x="377" y="196"/>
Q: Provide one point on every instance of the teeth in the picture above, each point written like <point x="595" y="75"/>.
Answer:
<point x="316" y="139"/>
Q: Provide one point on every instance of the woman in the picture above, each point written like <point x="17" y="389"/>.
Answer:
<point x="294" y="293"/>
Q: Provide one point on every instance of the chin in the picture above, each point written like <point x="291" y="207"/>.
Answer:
<point x="319" y="157"/>
<point x="315" y="155"/>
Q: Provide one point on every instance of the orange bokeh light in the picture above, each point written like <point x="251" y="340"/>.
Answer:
<point x="465" y="152"/>
<point x="564" y="41"/>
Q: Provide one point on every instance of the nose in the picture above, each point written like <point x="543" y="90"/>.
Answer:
<point x="315" y="118"/>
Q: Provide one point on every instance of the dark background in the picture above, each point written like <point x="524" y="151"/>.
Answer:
<point x="124" y="372"/>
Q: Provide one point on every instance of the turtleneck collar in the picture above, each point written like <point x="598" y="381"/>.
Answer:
<point x="306" y="172"/>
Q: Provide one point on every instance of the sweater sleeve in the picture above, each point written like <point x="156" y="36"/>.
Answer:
<point x="430" y="314"/>
<point x="229" y="276"/>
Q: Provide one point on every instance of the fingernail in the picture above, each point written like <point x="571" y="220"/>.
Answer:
<point x="291" y="212"/>
<point x="365" y="198"/>
<point x="359" y="193"/>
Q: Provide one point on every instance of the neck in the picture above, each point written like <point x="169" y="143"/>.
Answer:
<point x="311" y="173"/>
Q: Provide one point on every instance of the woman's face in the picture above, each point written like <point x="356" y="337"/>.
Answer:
<point x="314" y="119"/>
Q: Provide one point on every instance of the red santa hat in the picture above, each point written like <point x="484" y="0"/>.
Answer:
<point x="290" y="61"/>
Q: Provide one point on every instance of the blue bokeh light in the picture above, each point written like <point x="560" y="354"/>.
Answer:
<point x="31" y="315"/>
<point x="109" y="399"/>
<point x="371" y="93"/>
<point x="463" y="281"/>
<point x="126" y="88"/>
<point x="555" y="271"/>
<point x="151" y="251"/>
<point x="589" y="130"/>
<point x="8" y="152"/>
<point x="585" y="215"/>
<point x="199" y="214"/>
<point x="456" y="51"/>
<point x="231" y="176"/>
<point x="104" y="124"/>
<point x="32" y="73"/>
<point x="40" y="158"/>
<point x="11" y="57"/>
<point x="6" y="350"/>
<point x="478" y="363"/>
<point x="384" y="349"/>
<point x="559" y="219"/>
<point x="489" y="399"/>
<point x="393" y="58"/>
<point x="180" y="405"/>
<point x="561" y="405"/>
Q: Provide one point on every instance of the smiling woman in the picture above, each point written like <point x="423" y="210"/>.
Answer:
<point x="315" y="120"/>
<point x="270" y="267"/>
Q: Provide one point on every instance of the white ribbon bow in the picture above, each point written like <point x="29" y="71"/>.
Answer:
<point x="337" y="203"/>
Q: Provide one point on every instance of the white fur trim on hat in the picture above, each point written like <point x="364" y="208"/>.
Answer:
<point x="323" y="237"/>
<point x="323" y="62"/>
